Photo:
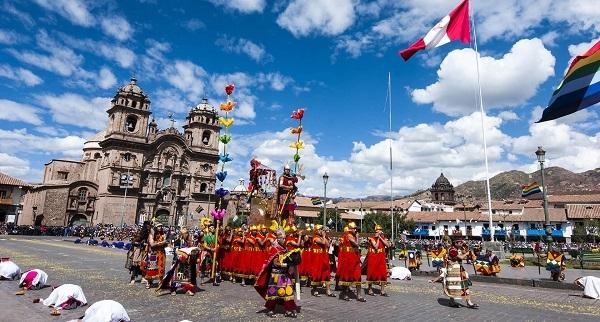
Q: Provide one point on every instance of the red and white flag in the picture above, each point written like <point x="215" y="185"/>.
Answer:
<point x="454" y="26"/>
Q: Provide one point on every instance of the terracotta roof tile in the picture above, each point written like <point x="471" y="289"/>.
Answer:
<point x="593" y="198"/>
<point x="10" y="181"/>
<point x="583" y="211"/>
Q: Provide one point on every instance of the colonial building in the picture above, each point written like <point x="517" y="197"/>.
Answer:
<point x="132" y="171"/>
<point x="11" y="191"/>
<point x="442" y="191"/>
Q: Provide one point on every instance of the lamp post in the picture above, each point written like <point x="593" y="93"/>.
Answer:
<point x="541" y="154"/>
<point x="325" y="179"/>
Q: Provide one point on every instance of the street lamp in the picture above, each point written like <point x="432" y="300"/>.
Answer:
<point x="541" y="154"/>
<point x="325" y="179"/>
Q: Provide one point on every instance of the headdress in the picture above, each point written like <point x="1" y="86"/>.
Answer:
<point x="317" y="227"/>
<point x="352" y="225"/>
<point x="378" y="227"/>
<point x="274" y="226"/>
<point x="253" y="227"/>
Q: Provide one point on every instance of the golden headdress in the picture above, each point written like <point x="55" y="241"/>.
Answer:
<point x="352" y="225"/>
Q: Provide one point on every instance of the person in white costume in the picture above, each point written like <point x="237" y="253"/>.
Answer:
<point x="590" y="285"/>
<point x="64" y="297"/>
<point x="400" y="273"/>
<point x="105" y="311"/>
<point x="9" y="271"/>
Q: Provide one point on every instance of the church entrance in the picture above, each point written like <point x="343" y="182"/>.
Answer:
<point x="79" y="220"/>
<point x="38" y="220"/>
<point x="162" y="216"/>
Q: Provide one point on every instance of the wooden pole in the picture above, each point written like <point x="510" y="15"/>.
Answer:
<point x="214" y="257"/>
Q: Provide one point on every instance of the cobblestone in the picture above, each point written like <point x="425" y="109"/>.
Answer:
<point x="101" y="274"/>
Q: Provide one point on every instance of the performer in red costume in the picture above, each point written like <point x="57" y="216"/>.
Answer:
<point x="319" y="265"/>
<point x="376" y="261"/>
<point x="275" y="282"/>
<point x="349" y="266"/>
<point x="286" y="192"/>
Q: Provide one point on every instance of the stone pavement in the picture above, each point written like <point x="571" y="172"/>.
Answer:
<point x="528" y="272"/>
<point x="101" y="274"/>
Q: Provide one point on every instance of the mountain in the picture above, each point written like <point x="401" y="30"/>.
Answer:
<point x="559" y="181"/>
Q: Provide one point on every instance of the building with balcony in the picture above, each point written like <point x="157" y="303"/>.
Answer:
<point x="11" y="193"/>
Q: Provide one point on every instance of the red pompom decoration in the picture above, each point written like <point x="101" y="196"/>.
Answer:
<point x="229" y="89"/>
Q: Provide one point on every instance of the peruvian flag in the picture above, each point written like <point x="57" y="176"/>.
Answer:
<point x="454" y="26"/>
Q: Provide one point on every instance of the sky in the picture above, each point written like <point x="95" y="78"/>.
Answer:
<point x="61" y="61"/>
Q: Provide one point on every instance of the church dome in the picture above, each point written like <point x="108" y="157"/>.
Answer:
<point x="204" y="106"/>
<point x="93" y="142"/>
<point x="442" y="183"/>
<point x="132" y="87"/>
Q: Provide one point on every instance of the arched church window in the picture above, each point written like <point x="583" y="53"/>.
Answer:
<point x="97" y="156"/>
<point x="166" y="179"/>
<point x="127" y="157"/>
<point x="203" y="187"/>
<point x="206" y="137"/>
<point x="82" y="194"/>
<point x="134" y="104"/>
<point x="131" y="123"/>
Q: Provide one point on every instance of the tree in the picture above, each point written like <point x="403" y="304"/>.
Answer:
<point x="385" y="220"/>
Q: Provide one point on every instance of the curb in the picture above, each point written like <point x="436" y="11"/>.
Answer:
<point x="544" y="283"/>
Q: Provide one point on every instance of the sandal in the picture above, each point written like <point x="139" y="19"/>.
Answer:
<point x="361" y="299"/>
<point x="290" y="314"/>
<point x="370" y="292"/>
<point x="331" y="295"/>
<point x="271" y="314"/>
<point x="472" y="305"/>
<point x="55" y="312"/>
<point x="384" y="294"/>
<point x="315" y="293"/>
<point x="345" y="297"/>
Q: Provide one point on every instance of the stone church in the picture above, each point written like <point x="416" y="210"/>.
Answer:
<point x="132" y="171"/>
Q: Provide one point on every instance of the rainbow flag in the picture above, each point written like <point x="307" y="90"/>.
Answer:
<point x="530" y="189"/>
<point x="580" y="87"/>
<point x="316" y="201"/>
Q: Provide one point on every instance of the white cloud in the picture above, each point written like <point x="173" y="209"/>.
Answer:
<point x="17" y="112"/>
<point x="169" y="100"/>
<point x="119" y="54"/>
<point x="243" y="6"/>
<point x="21" y="75"/>
<point x="186" y="77"/>
<point x="454" y="93"/>
<point x="255" y="51"/>
<point x="60" y="59"/>
<point x="24" y="17"/>
<point x="117" y="27"/>
<point x="75" y="11"/>
<point x="13" y="166"/>
<point x="194" y="24"/>
<point x="20" y="141"/>
<point x="106" y="79"/>
<point x="508" y="116"/>
<point x="327" y="17"/>
<point x="400" y="23"/>
<point x="67" y="109"/>
<point x="9" y="37"/>
<point x="276" y="81"/>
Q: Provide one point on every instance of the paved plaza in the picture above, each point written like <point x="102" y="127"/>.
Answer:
<point x="100" y="273"/>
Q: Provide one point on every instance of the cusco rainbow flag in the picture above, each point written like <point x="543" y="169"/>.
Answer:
<point x="579" y="89"/>
<point x="530" y="189"/>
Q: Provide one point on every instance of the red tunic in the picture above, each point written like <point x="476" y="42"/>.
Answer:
<point x="319" y="265"/>
<point x="236" y="256"/>
<point x="348" y="271"/>
<point x="256" y="259"/>
<point x="376" y="261"/>
<point x="306" y="260"/>
<point x="224" y="255"/>
<point x="247" y="257"/>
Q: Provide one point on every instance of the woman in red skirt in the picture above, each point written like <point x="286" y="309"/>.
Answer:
<point x="376" y="261"/>
<point x="224" y="254"/>
<point x="306" y="255"/>
<point x="319" y="267"/>
<point x="348" y="271"/>
<point x="237" y="259"/>
<point x="256" y="258"/>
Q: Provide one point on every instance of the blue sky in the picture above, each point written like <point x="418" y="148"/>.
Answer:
<point x="61" y="62"/>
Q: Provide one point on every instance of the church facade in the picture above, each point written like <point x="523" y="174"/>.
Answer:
<point x="132" y="171"/>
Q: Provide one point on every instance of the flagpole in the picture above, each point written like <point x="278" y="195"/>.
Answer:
<point x="482" y="112"/>
<point x="391" y="163"/>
